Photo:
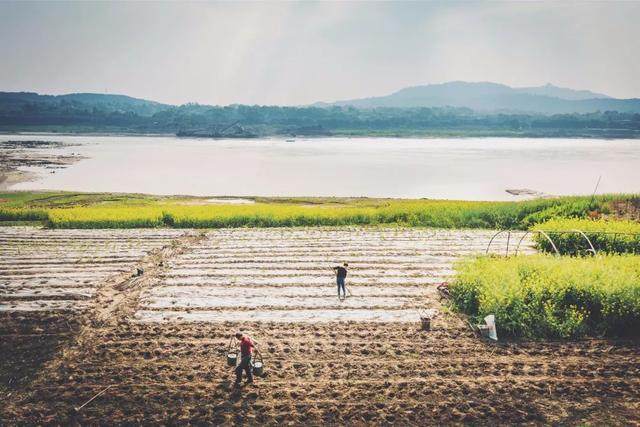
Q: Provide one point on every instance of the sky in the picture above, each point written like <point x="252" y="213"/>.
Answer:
<point x="295" y="53"/>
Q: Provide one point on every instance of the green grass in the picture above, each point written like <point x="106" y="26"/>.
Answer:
<point x="542" y="296"/>
<point x="105" y="210"/>
<point x="610" y="236"/>
<point x="20" y="214"/>
<point x="49" y="199"/>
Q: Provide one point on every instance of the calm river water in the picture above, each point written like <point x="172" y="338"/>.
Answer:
<point x="472" y="168"/>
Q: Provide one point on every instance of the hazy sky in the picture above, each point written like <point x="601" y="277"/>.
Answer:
<point x="297" y="53"/>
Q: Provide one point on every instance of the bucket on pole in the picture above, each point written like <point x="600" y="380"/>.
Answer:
<point x="426" y="323"/>
<point x="232" y="359"/>
<point x="425" y="318"/>
<point x="232" y="354"/>
<point x="258" y="365"/>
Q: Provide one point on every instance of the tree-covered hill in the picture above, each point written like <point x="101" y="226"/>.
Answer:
<point x="116" y="113"/>
<point x="494" y="98"/>
<point x="24" y="102"/>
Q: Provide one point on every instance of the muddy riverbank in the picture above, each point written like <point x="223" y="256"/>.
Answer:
<point x="16" y="155"/>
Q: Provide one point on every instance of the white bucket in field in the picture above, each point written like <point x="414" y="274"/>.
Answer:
<point x="426" y="316"/>
<point x="258" y="368"/>
<point x="231" y="359"/>
<point x="490" y="320"/>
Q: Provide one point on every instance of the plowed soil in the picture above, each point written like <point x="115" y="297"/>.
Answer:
<point x="154" y="344"/>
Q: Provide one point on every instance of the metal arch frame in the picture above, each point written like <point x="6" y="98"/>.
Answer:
<point x="496" y="235"/>
<point x="593" y="250"/>
<point x="544" y="234"/>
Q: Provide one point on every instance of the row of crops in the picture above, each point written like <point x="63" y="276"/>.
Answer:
<point x="138" y="213"/>
<point x="573" y="295"/>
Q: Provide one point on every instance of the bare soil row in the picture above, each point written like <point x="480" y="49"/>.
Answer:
<point x="335" y="373"/>
<point x="155" y="345"/>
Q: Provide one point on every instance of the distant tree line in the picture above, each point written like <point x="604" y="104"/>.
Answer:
<point x="244" y="120"/>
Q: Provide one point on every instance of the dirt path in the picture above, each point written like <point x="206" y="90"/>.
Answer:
<point x="171" y="371"/>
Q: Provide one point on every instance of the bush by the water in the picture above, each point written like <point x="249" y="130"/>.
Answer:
<point x="610" y="236"/>
<point x="548" y="296"/>
<point x="422" y="213"/>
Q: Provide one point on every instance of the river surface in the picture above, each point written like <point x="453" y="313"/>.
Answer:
<point x="443" y="168"/>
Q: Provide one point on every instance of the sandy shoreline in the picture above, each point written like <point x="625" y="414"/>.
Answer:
<point x="11" y="177"/>
<point x="17" y="155"/>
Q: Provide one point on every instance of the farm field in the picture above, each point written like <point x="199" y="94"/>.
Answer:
<point x="45" y="269"/>
<point x="120" y="210"/>
<point x="156" y="342"/>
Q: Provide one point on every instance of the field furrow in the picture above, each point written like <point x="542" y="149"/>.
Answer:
<point x="51" y="270"/>
<point x="156" y="344"/>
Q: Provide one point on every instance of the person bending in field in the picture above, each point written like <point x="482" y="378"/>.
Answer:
<point x="341" y="275"/>
<point x="246" y="352"/>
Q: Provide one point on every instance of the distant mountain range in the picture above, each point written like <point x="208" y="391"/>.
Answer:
<point x="450" y="109"/>
<point x="12" y="101"/>
<point x="481" y="97"/>
<point x="494" y="97"/>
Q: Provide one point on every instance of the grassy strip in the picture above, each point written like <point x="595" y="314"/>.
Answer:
<point x="608" y="236"/>
<point x="104" y="210"/>
<point x="417" y="213"/>
<point x="64" y="199"/>
<point x="22" y="214"/>
<point x="106" y="217"/>
<point x="36" y="206"/>
<point x="554" y="297"/>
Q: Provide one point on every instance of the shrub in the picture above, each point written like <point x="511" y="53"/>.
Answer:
<point x="609" y="236"/>
<point x="557" y="297"/>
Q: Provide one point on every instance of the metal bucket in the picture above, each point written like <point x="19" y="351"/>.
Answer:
<point x="258" y="364"/>
<point x="258" y="369"/>
<point x="232" y="358"/>
<point x="426" y="323"/>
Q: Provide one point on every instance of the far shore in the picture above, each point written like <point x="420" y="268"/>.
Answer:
<point x="398" y="134"/>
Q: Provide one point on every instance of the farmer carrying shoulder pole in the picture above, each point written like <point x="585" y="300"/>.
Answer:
<point x="341" y="275"/>
<point x="246" y="351"/>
